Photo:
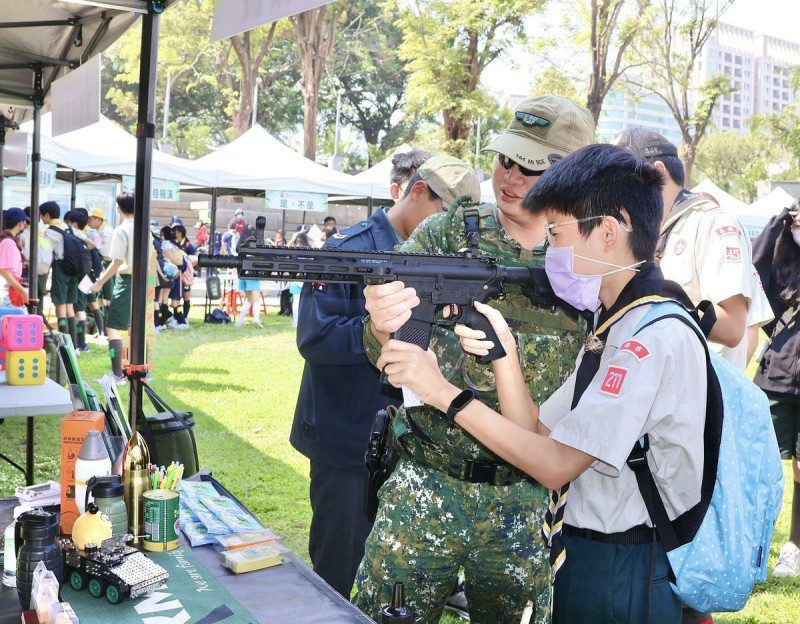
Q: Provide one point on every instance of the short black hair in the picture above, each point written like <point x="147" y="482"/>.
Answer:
<point x="167" y="234"/>
<point x="674" y="168"/>
<point x="78" y="218"/>
<point x="50" y="208"/>
<point x="418" y="178"/>
<point x="83" y="210"/>
<point x="329" y="218"/>
<point x="405" y="165"/>
<point x="601" y="180"/>
<point x="179" y="228"/>
<point x="125" y="202"/>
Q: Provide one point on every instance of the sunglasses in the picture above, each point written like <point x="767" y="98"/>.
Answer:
<point x="507" y="163"/>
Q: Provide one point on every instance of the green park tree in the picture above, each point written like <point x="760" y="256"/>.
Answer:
<point x="447" y="45"/>
<point x="734" y="162"/>
<point x="668" y="50"/>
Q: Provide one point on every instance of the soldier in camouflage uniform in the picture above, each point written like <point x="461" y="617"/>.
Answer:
<point x="451" y="503"/>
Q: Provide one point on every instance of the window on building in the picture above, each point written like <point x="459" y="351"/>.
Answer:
<point x="726" y="108"/>
<point x="737" y="85"/>
<point x="785" y="84"/>
<point x="747" y="61"/>
<point x="726" y="122"/>
<point x="785" y="96"/>
<point x="727" y="70"/>
<point x="736" y="124"/>
<point x="746" y="98"/>
<point x="778" y="70"/>
<point x="737" y="98"/>
<point x="746" y="112"/>
<point x="737" y="72"/>
<point x="776" y="94"/>
<point x="738" y="60"/>
<point x="776" y="82"/>
<point x="737" y="111"/>
<point x="776" y="106"/>
<point x="728" y="57"/>
<point x="747" y="73"/>
<point x="766" y="90"/>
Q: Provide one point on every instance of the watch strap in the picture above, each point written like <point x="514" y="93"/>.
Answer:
<point x="464" y="398"/>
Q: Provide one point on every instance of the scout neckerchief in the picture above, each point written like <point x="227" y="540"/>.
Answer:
<point x="647" y="286"/>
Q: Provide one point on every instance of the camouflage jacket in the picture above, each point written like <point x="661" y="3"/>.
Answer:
<point x="548" y="341"/>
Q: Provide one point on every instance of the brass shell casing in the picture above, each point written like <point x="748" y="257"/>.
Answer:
<point x="136" y="481"/>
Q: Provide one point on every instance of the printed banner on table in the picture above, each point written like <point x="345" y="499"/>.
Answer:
<point x="292" y="200"/>
<point x="160" y="189"/>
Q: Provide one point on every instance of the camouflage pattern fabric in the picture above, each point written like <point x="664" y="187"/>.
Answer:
<point x="444" y="535"/>
<point x="429" y="525"/>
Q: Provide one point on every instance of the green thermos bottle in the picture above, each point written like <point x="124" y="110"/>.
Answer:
<point x="108" y="494"/>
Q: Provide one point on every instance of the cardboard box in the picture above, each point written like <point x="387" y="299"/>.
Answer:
<point x="74" y="428"/>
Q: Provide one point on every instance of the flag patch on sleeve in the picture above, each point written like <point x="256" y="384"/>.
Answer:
<point x="638" y="350"/>
<point x="612" y="382"/>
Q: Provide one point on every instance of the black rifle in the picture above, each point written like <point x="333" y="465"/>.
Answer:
<point x="454" y="282"/>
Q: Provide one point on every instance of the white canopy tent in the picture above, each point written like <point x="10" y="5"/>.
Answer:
<point x="724" y="199"/>
<point x="258" y="161"/>
<point x="106" y="148"/>
<point x="487" y="192"/>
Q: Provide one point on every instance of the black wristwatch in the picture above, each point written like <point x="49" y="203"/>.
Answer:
<point x="459" y="403"/>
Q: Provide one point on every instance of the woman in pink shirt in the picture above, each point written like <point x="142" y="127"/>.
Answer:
<point x="14" y="221"/>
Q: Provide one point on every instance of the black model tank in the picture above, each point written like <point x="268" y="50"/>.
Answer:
<point x="113" y="569"/>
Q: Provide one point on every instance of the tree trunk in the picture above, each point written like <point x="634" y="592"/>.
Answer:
<point x="310" y="109"/>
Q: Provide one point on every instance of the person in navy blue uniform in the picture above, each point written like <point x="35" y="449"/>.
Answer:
<point x="340" y="391"/>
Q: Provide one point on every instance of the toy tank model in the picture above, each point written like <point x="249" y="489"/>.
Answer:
<point x="115" y="569"/>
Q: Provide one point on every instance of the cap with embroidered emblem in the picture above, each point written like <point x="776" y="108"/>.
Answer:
<point x="644" y="143"/>
<point x="543" y="130"/>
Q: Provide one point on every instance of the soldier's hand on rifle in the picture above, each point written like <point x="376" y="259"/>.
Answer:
<point x="474" y="340"/>
<point x="406" y="364"/>
<point x="389" y="306"/>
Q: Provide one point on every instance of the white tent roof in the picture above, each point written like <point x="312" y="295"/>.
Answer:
<point x="258" y="161"/>
<point x="49" y="36"/>
<point x="378" y="176"/>
<point x="104" y="147"/>
<point x="772" y="203"/>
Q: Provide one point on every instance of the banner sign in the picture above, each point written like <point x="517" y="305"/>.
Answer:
<point x="291" y="200"/>
<point x="162" y="190"/>
<point x="234" y="16"/>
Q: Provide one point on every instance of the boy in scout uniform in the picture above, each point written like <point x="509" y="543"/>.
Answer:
<point x="452" y="503"/>
<point x="603" y="207"/>
<point x="121" y="254"/>
<point x="340" y="391"/>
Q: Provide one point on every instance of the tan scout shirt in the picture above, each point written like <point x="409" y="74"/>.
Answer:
<point x="708" y="253"/>
<point x="654" y="383"/>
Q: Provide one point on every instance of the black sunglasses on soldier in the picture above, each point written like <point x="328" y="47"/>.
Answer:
<point x="507" y="163"/>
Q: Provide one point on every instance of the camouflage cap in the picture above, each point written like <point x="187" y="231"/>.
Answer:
<point x="543" y="130"/>
<point x="450" y="178"/>
<point x="644" y="143"/>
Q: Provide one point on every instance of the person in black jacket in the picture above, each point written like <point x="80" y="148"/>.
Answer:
<point x="776" y="256"/>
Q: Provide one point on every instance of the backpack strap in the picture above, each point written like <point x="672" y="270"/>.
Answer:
<point x="472" y="230"/>
<point x="682" y="530"/>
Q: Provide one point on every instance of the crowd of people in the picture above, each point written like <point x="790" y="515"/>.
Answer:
<point x="481" y="448"/>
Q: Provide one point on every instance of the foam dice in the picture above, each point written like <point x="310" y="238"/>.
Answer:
<point x="23" y="332"/>
<point x="7" y="311"/>
<point x="26" y="368"/>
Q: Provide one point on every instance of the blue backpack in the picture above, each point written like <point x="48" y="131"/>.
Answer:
<point x="718" y="549"/>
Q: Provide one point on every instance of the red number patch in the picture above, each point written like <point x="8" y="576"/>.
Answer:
<point x="612" y="383"/>
<point x="733" y="254"/>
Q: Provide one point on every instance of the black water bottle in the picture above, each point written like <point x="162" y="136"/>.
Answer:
<point x="397" y="612"/>
<point x="38" y="530"/>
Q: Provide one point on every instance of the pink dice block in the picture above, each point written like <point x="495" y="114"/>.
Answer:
<point x="26" y="368"/>
<point x="2" y="358"/>
<point x="23" y="332"/>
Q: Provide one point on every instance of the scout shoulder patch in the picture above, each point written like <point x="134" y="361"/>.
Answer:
<point x="727" y="230"/>
<point x="612" y="382"/>
<point x="639" y="351"/>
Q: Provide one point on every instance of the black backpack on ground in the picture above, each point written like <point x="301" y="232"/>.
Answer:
<point x="77" y="260"/>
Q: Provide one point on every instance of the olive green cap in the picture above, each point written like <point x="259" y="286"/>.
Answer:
<point x="449" y="178"/>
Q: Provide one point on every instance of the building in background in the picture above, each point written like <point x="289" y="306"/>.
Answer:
<point x="758" y="68"/>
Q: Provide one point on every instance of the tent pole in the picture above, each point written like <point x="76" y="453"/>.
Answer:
<point x="74" y="190"/>
<point x="369" y="207"/>
<point x="2" y="171"/>
<point x="213" y="231"/>
<point x="145" y="133"/>
<point x="36" y="157"/>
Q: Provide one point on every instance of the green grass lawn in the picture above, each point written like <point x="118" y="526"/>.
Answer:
<point x="241" y="383"/>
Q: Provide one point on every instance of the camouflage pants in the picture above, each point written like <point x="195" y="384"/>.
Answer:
<point x="430" y="525"/>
